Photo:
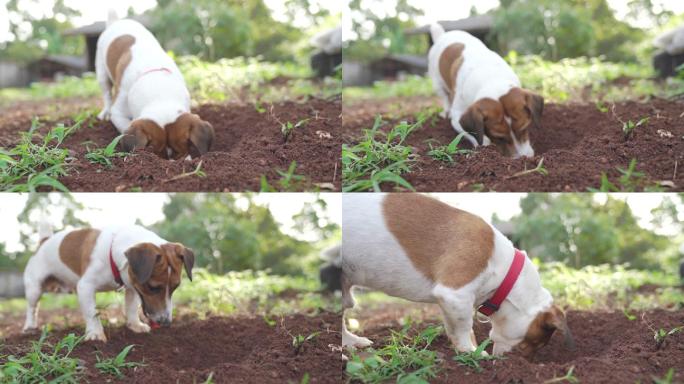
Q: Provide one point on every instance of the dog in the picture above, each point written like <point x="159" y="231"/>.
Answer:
<point x="481" y="94"/>
<point x="417" y="248"/>
<point x="145" y="95"/>
<point x="91" y="260"/>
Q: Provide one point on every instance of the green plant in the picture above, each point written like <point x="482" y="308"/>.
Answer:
<point x="667" y="379"/>
<point x="406" y="358"/>
<point x="289" y="181"/>
<point x="30" y="165"/>
<point x="288" y="127"/>
<point x="661" y="335"/>
<point x="629" y="126"/>
<point x="104" y="155"/>
<point x="36" y="365"/>
<point x="113" y="366"/>
<point x="299" y="340"/>
<point x="472" y="359"/>
<point x="445" y="153"/>
<point x="538" y="169"/>
<point x="197" y="172"/>
<point x="630" y="180"/>
<point x="569" y="377"/>
<point x="628" y="315"/>
<point x="375" y="160"/>
<point x="601" y="107"/>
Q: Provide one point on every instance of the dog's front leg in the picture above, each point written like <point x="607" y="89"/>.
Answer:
<point x="457" y="308"/>
<point x="132" y="318"/>
<point x="86" y="299"/>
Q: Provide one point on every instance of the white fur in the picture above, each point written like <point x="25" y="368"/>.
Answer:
<point x="97" y="277"/>
<point x="372" y="257"/>
<point x="483" y="74"/>
<point x="159" y="95"/>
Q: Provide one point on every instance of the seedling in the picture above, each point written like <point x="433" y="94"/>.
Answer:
<point x="569" y="377"/>
<point x="628" y="315"/>
<point x="667" y="379"/>
<point x="258" y="107"/>
<point x="114" y="366"/>
<point x="36" y="365"/>
<point x="445" y="153"/>
<point x="601" y="107"/>
<point x="197" y="172"/>
<point x="288" y="127"/>
<point x="377" y="160"/>
<point x="289" y="181"/>
<point x="104" y="155"/>
<point x="629" y="126"/>
<point x="472" y="359"/>
<point x="661" y="335"/>
<point x="630" y="180"/>
<point x="538" y="169"/>
<point x="299" y="340"/>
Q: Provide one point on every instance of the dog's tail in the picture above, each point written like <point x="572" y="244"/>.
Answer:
<point x="111" y="17"/>
<point x="44" y="231"/>
<point x="436" y="30"/>
<point x="330" y="274"/>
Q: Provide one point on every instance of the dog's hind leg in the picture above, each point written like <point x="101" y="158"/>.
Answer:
<point x="349" y="339"/>
<point x="457" y="307"/>
<point x="33" y="289"/>
<point x="106" y="87"/>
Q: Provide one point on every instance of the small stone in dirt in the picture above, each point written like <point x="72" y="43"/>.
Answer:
<point x="664" y="133"/>
<point x="323" y="135"/>
<point x="262" y="162"/>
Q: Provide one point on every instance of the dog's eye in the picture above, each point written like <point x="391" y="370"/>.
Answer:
<point x="154" y="288"/>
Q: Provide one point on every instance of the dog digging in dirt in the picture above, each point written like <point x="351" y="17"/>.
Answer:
<point x="147" y="267"/>
<point x="481" y="94"/>
<point x="417" y="248"/>
<point x="145" y="95"/>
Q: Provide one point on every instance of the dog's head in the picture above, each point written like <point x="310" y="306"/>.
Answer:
<point x="189" y="135"/>
<point x="147" y="134"/>
<point x="155" y="273"/>
<point x="506" y="122"/>
<point x="529" y="333"/>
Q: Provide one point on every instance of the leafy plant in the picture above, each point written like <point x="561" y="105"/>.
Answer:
<point x="374" y="160"/>
<point x="288" y="127"/>
<point x="667" y="379"/>
<point x="661" y="335"/>
<point x="630" y="180"/>
<point x="569" y="377"/>
<point x="36" y="365"/>
<point x="628" y="315"/>
<point x="538" y="169"/>
<point x="289" y="181"/>
<point x="29" y="165"/>
<point x="445" y="153"/>
<point x="299" y="340"/>
<point x="472" y="359"/>
<point x="197" y="172"/>
<point x="104" y="155"/>
<point x="629" y="126"/>
<point x="601" y="107"/>
<point x="114" y="366"/>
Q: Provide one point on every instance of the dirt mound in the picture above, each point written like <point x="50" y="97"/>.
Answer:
<point x="578" y="144"/>
<point x="610" y="348"/>
<point x="236" y="350"/>
<point x="248" y="144"/>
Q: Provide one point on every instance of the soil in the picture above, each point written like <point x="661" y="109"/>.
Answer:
<point x="248" y="144"/>
<point x="577" y="142"/>
<point x="609" y="349"/>
<point x="231" y="349"/>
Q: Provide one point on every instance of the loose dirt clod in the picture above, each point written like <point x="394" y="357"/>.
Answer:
<point x="231" y="350"/>
<point x="248" y="144"/>
<point x="578" y="143"/>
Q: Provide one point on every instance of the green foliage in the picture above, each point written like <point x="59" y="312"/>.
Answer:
<point x="579" y="230"/>
<point x="299" y="340"/>
<point x="288" y="182"/>
<point x="661" y="335"/>
<point x="569" y="377"/>
<point x="375" y="160"/>
<point x="287" y="128"/>
<point x="403" y="358"/>
<point x="115" y="365"/>
<point x="35" y="366"/>
<point x="29" y="165"/>
<point x="667" y="379"/>
<point x="445" y="153"/>
<point x="104" y="155"/>
<point x="472" y="359"/>
<point x="411" y="85"/>
<point x="630" y="180"/>
<point x="629" y="126"/>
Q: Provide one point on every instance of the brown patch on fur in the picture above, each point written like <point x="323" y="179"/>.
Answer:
<point x="144" y="133"/>
<point x="149" y="272"/>
<point x="118" y="58"/>
<point x="189" y="135"/>
<point x="486" y="117"/>
<point x="541" y="329"/>
<point x="449" y="63"/>
<point x="524" y="108"/>
<point x="76" y="248"/>
<point x="54" y="285"/>
<point x="447" y="245"/>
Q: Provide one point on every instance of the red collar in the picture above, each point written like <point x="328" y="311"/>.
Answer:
<point x="115" y="270"/>
<point x="492" y="305"/>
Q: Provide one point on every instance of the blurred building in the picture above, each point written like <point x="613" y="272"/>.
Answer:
<point x="328" y="55"/>
<point x="670" y="54"/>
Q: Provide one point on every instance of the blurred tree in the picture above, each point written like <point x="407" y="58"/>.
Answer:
<point x="670" y="212"/>
<point x="651" y="10"/>
<point x="34" y="35"/>
<point x="576" y="229"/>
<point x="380" y="34"/>
<point x="234" y="233"/>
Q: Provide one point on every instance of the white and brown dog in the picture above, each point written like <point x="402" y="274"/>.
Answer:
<point x="481" y="93"/>
<point x="145" y="95"/>
<point x="417" y="248"/>
<point x="93" y="260"/>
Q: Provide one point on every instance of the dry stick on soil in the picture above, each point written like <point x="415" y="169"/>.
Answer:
<point x="539" y="169"/>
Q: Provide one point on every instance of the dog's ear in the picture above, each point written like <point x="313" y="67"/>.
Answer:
<point x="535" y="105"/>
<point x="472" y="121"/>
<point x="201" y="138"/>
<point x="555" y="319"/>
<point x="145" y="133"/>
<point x="188" y="257"/>
<point x="141" y="260"/>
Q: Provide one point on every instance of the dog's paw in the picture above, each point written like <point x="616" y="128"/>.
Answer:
<point x="29" y="329"/>
<point x="353" y="341"/>
<point x="444" y="114"/>
<point x="96" y="336"/>
<point x="104" y="115"/>
<point x="139" y="327"/>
